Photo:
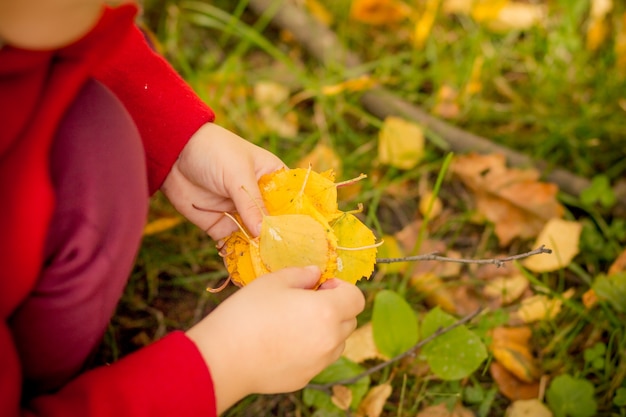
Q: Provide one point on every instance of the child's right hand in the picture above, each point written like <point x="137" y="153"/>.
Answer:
<point x="275" y="334"/>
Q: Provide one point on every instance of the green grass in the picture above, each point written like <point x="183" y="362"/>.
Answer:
<point x="542" y="94"/>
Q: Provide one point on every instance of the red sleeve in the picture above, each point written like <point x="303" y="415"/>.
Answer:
<point x="168" y="378"/>
<point x="165" y="109"/>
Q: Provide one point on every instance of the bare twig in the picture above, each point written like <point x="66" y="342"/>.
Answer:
<point x="495" y="261"/>
<point x="326" y="387"/>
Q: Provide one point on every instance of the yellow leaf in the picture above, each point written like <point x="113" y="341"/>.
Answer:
<point x="374" y="401"/>
<point x="360" y="345"/>
<point x="323" y="158"/>
<point x="362" y="83"/>
<point x="504" y="15"/>
<point x="356" y="249"/>
<point x="541" y="307"/>
<point x="378" y="12"/>
<point x="463" y="7"/>
<point x="562" y="237"/>
<point x="319" y="12"/>
<point x="524" y="408"/>
<point x="391" y="249"/>
<point x="597" y="32"/>
<point x="511" y="386"/>
<point x="507" y="289"/>
<point x="296" y="231"/>
<point x="435" y="291"/>
<point x="400" y="143"/>
<point x="161" y="225"/>
<point x="430" y="205"/>
<point x="424" y="24"/>
<point x="511" y="348"/>
<point x="297" y="240"/>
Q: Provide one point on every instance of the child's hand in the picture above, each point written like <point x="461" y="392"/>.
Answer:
<point x="275" y="334"/>
<point x="218" y="171"/>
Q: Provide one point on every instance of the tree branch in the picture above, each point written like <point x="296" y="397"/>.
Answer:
<point x="434" y="257"/>
<point x="327" y="386"/>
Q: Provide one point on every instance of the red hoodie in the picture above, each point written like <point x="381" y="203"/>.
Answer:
<point x="36" y="88"/>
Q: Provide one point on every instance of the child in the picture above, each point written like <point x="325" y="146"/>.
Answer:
<point x="92" y="123"/>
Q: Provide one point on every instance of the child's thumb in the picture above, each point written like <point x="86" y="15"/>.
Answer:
<point x="305" y="277"/>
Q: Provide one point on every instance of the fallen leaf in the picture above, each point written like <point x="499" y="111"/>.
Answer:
<point x="400" y="143"/>
<point x="441" y="410"/>
<point x="378" y="12"/>
<point x="447" y="105"/>
<point x="514" y="200"/>
<point x="342" y="397"/>
<point x="619" y="264"/>
<point x="319" y="12"/>
<point x="511" y="348"/>
<point x="528" y="408"/>
<point x="360" y="345"/>
<point x="361" y="83"/>
<point x="161" y="225"/>
<point x="374" y="401"/>
<point x="540" y="307"/>
<point x="463" y="7"/>
<point x="323" y="158"/>
<point x="269" y="96"/>
<point x="430" y="206"/>
<point x="435" y="291"/>
<point x="562" y="237"/>
<point x="506" y="288"/>
<point x="424" y="23"/>
<point x="504" y="16"/>
<point x="510" y="386"/>
<point x="391" y="249"/>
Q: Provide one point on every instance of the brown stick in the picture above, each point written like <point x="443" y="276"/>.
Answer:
<point x="323" y="44"/>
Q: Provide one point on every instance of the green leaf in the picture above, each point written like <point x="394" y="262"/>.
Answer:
<point x="341" y="369"/>
<point x="599" y="191"/>
<point x="571" y="397"/>
<point x="620" y="397"/>
<point x="613" y="289"/>
<point x="452" y="355"/>
<point x="394" y="324"/>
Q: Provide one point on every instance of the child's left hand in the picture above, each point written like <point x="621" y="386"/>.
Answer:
<point x="218" y="171"/>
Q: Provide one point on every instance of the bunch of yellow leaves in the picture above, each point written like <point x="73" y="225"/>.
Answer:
<point x="303" y="226"/>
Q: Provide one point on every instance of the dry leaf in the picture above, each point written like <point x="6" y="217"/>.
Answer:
<point x="303" y="227"/>
<point x="360" y="345"/>
<point x="504" y="16"/>
<point x="619" y="264"/>
<point x="528" y="408"/>
<point x="510" y="386"/>
<point x="362" y="83"/>
<point x="400" y="143"/>
<point x="435" y="291"/>
<point x="513" y="199"/>
<point x="447" y="105"/>
<point x="457" y="6"/>
<point x="269" y="96"/>
<point x="161" y="225"/>
<point x="424" y="23"/>
<point x="511" y="348"/>
<point x="374" y="401"/>
<point x="506" y="288"/>
<point x="540" y="307"/>
<point x="342" y="397"/>
<point x="319" y="12"/>
<point x="379" y="12"/>
<point x="562" y="237"/>
<point x="430" y="205"/>
<point x="323" y="158"/>
<point x="441" y="410"/>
